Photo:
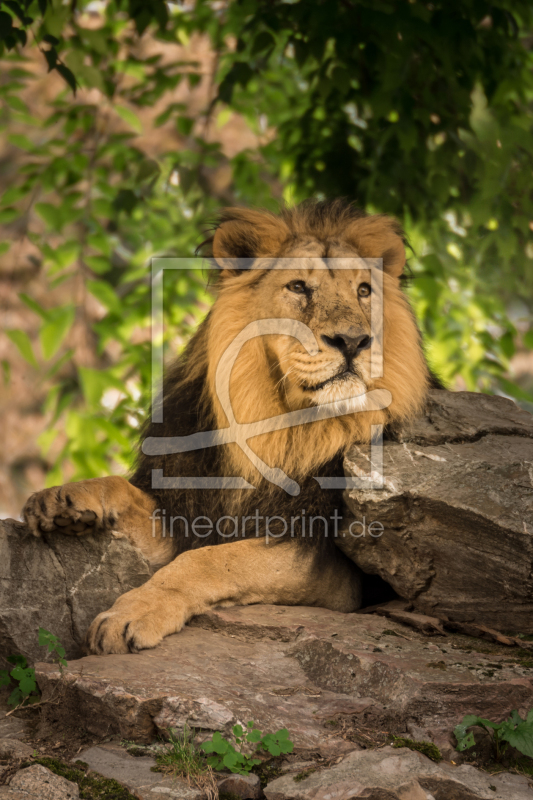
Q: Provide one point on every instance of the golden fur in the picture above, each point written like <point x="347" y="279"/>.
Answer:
<point x="266" y="378"/>
<point x="273" y="374"/>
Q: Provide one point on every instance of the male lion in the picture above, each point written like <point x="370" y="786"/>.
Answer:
<point x="273" y="374"/>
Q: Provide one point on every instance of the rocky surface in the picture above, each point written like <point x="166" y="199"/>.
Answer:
<point x="457" y="511"/>
<point x="38" y="783"/>
<point x="136" y="774"/>
<point x="60" y="583"/>
<point x="300" y="668"/>
<point x="392" y="774"/>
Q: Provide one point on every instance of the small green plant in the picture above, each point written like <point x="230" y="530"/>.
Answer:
<point x="183" y="759"/>
<point x="514" y="731"/>
<point x="225" y="754"/>
<point x="24" y="677"/>
<point x="52" y="643"/>
<point x="25" y="691"/>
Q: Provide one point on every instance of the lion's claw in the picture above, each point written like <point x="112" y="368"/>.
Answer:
<point x="119" y="632"/>
<point x="74" y="509"/>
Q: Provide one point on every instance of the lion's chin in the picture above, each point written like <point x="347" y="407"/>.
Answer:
<point x="337" y="390"/>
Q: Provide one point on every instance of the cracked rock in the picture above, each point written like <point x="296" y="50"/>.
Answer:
<point x="38" y="783"/>
<point x="304" y="669"/>
<point x="398" y="774"/>
<point x="456" y="509"/>
<point x="60" y="583"/>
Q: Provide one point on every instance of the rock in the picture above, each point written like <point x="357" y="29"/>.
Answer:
<point x="11" y="748"/>
<point x="247" y="787"/>
<point x="398" y="774"/>
<point x="11" y="727"/>
<point x="38" y="783"/>
<point x="457" y="512"/>
<point x="61" y="583"/>
<point x="135" y="773"/>
<point x="300" y="668"/>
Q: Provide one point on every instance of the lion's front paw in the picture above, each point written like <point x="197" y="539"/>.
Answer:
<point x="137" y="621"/>
<point x="71" y="509"/>
<point x="75" y="508"/>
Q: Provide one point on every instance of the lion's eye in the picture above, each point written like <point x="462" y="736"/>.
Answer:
<point x="298" y="287"/>
<point x="364" y="290"/>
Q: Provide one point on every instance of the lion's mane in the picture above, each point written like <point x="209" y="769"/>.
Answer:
<point x="190" y="403"/>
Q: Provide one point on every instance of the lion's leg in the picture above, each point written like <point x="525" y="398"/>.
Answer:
<point x="100" y="504"/>
<point x="237" y="573"/>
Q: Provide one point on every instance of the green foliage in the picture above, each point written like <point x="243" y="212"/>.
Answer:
<point x="427" y="748"/>
<point x="514" y="731"/>
<point x="53" y="645"/>
<point x="24" y="678"/>
<point x="92" y="786"/>
<point x="25" y="691"/>
<point x="227" y="756"/>
<point x="182" y="758"/>
<point x="423" y="111"/>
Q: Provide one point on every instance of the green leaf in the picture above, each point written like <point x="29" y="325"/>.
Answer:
<point x="21" y="141"/>
<point x="27" y="683"/>
<point x="238" y="730"/>
<point x="130" y="117"/>
<point x="18" y="660"/>
<point x="6" y="371"/>
<point x="94" y="383"/>
<point x="15" y="698"/>
<point x="22" y="341"/>
<point x="34" y="305"/>
<point x="54" y="331"/>
<point x="229" y="760"/>
<point x="521" y="738"/>
<point x="50" y="213"/>
<point x="51" y="58"/>
<point x="67" y="76"/>
<point x="221" y="746"/>
<point x="105" y="294"/>
<point x="464" y="742"/>
<point x="6" y="24"/>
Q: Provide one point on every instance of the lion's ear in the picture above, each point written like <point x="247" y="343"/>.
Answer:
<point x="380" y="237"/>
<point x="244" y="234"/>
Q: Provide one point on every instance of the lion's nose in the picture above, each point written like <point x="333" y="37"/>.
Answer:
<point x="350" y="346"/>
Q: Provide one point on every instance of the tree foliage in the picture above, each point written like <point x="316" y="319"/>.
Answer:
<point x="422" y="110"/>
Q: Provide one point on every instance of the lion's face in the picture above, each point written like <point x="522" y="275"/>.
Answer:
<point x="335" y="305"/>
<point x="301" y="267"/>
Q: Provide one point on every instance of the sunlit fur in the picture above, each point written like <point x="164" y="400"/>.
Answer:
<point x="271" y="373"/>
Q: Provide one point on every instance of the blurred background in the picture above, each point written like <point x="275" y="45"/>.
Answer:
<point x="125" y="127"/>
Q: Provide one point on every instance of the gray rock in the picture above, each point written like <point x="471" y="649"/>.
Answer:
<point x="112" y="761"/>
<point x="60" y="583"/>
<point x="392" y="774"/>
<point x="11" y="727"/>
<point x="292" y="667"/>
<point x="457" y="512"/>
<point x="247" y="787"/>
<point x="12" y="748"/>
<point x="38" y="783"/>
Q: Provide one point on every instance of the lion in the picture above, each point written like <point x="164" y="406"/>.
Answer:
<point x="252" y="557"/>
